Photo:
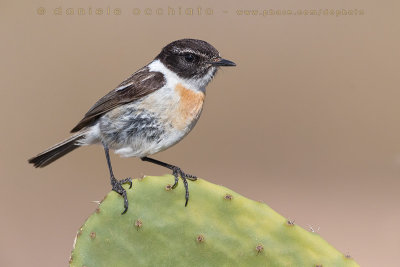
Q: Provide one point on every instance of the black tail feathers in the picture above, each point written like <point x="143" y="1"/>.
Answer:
<point x="52" y="154"/>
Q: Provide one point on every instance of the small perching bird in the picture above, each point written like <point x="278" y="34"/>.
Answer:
<point x="149" y="112"/>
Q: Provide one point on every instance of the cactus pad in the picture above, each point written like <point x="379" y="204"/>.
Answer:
<point x="218" y="228"/>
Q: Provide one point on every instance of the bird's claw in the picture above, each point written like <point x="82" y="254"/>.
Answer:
<point x="177" y="172"/>
<point x="117" y="187"/>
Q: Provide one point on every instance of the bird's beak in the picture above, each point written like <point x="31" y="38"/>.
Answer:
<point x="222" y="62"/>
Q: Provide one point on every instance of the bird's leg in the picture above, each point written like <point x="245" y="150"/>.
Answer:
<point x="176" y="172"/>
<point x="117" y="185"/>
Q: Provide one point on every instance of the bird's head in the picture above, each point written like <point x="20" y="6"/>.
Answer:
<point x="193" y="60"/>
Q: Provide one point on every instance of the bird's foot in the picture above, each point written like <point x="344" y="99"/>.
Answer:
<point x="117" y="187"/>
<point x="177" y="172"/>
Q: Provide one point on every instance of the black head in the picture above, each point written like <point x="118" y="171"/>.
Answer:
<point x="192" y="59"/>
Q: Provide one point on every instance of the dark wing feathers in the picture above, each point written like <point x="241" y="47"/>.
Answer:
<point x="140" y="84"/>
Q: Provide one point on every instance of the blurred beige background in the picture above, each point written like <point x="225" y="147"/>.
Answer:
<point x="307" y="122"/>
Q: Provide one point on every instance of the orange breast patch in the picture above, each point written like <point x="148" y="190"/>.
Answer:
<point x="190" y="105"/>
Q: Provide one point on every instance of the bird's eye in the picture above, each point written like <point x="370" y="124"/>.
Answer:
<point x="189" y="57"/>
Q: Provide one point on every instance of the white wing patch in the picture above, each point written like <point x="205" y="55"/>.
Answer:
<point x="122" y="87"/>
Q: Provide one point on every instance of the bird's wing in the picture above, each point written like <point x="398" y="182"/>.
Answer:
<point x="140" y="84"/>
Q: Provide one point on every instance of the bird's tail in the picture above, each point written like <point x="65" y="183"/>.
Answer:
<point x="57" y="151"/>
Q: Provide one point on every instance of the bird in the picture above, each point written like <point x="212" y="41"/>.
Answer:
<point x="152" y="110"/>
